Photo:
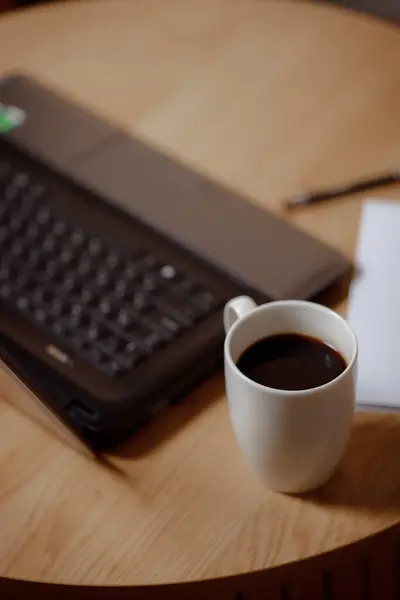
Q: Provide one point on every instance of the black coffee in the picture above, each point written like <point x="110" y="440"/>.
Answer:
<point x="291" y="361"/>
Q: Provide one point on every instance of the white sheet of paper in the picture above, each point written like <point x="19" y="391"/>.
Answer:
<point x="374" y="305"/>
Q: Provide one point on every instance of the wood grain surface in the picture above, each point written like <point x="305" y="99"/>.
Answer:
<point x="271" y="98"/>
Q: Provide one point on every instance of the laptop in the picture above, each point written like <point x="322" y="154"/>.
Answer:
<point x="116" y="262"/>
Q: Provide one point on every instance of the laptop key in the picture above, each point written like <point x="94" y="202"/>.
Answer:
<point x="154" y="340"/>
<point x="205" y="301"/>
<point x="167" y="327"/>
<point x="111" y="367"/>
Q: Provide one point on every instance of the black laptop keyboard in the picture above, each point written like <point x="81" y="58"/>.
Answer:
<point x="110" y="308"/>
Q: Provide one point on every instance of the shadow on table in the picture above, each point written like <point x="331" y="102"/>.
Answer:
<point x="173" y="419"/>
<point x="368" y="477"/>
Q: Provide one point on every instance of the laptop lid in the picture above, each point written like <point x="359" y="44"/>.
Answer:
<point x="253" y="246"/>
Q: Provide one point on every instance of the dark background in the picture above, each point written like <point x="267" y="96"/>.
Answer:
<point x="387" y="9"/>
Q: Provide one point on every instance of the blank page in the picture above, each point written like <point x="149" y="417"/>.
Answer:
<point x="374" y="305"/>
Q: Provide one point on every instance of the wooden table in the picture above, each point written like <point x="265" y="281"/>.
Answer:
<point x="271" y="98"/>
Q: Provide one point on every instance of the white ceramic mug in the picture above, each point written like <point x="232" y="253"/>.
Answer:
<point x="293" y="439"/>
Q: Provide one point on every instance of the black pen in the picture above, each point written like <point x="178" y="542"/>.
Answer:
<point x="345" y="190"/>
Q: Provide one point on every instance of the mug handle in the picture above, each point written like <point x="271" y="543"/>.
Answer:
<point x="236" y="309"/>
